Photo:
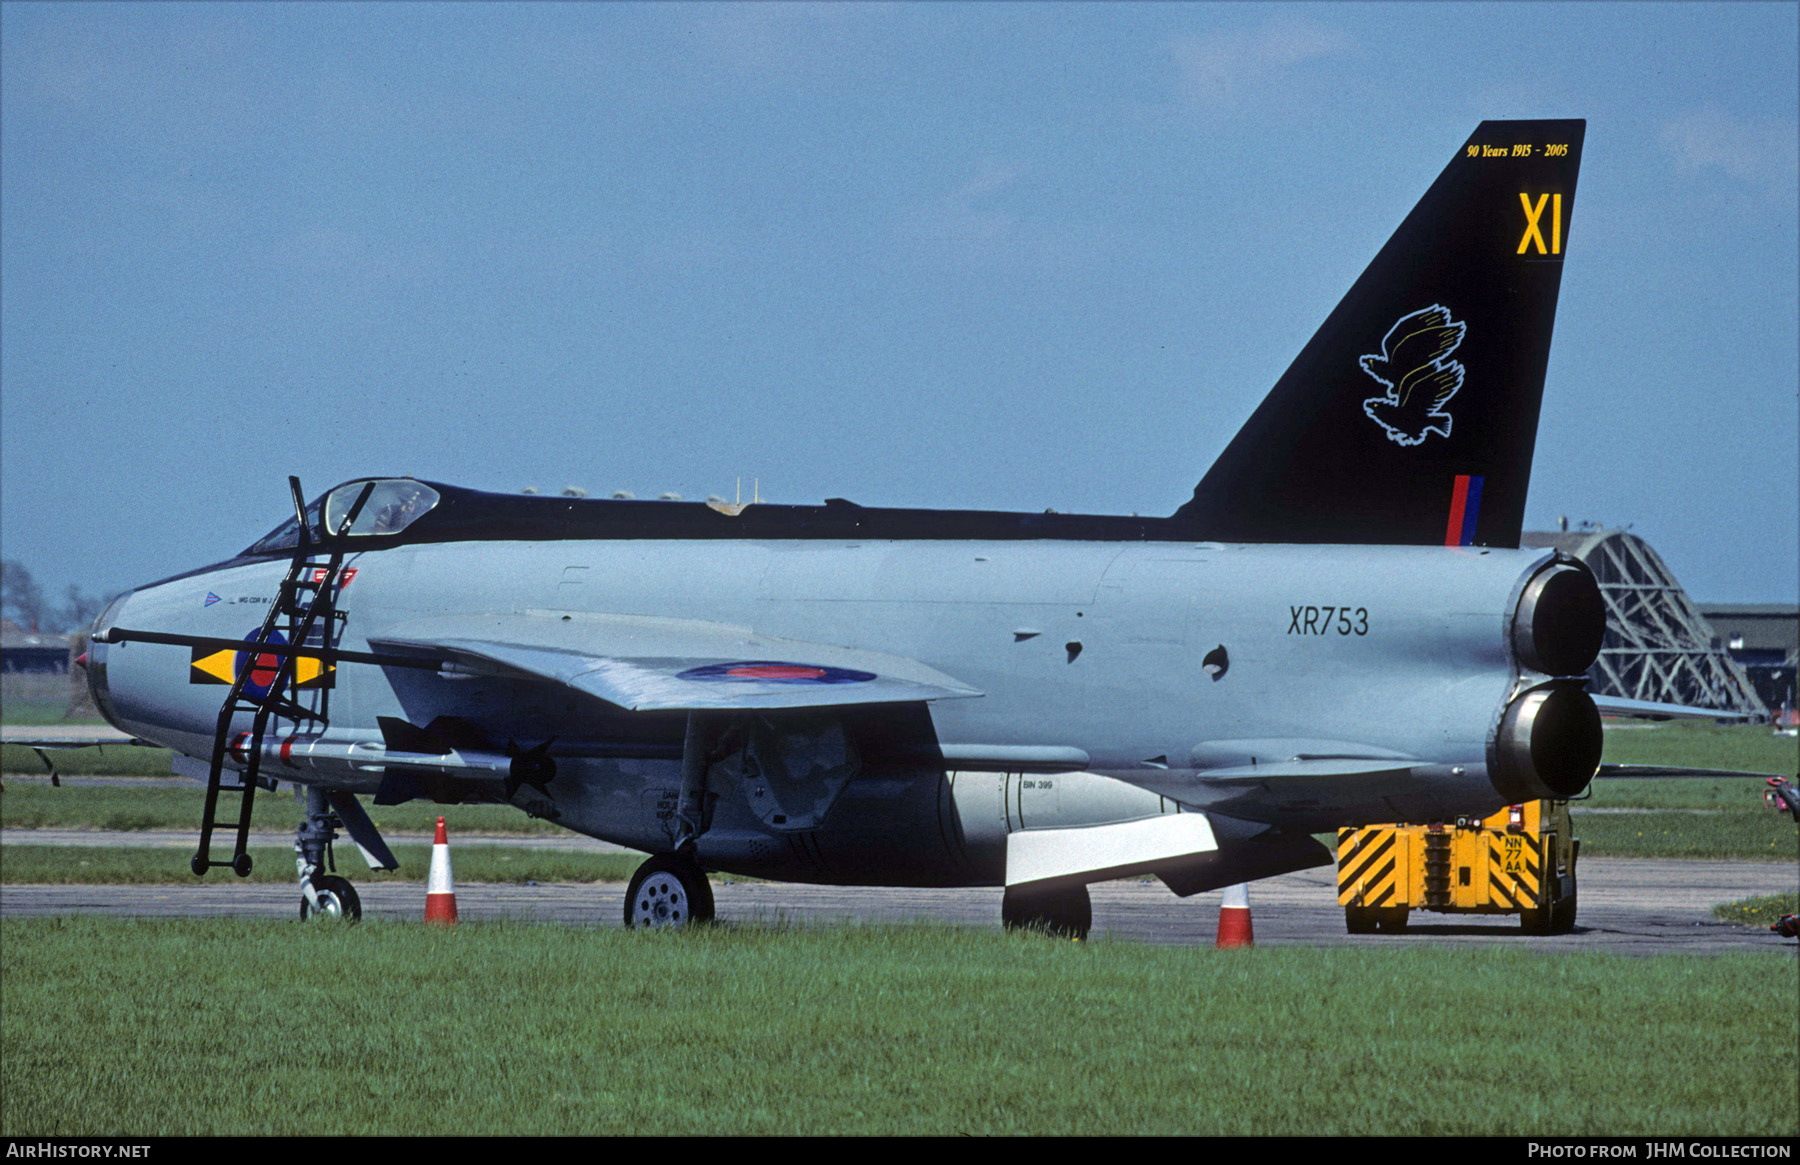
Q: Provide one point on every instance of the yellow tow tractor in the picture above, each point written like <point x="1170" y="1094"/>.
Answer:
<point x="1519" y="861"/>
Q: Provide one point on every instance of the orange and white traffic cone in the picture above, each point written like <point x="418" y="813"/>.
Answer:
<point x="440" y="891"/>
<point x="1234" y="918"/>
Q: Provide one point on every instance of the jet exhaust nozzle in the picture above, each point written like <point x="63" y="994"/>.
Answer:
<point x="1560" y="622"/>
<point x="1549" y="745"/>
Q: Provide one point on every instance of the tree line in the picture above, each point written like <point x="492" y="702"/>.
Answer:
<point x="22" y="600"/>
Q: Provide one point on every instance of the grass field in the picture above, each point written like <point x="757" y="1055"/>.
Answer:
<point x="142" y="866"/>
<point x="1701" y="744"/>
<point x="111" y="760"/>
<point x="211" y="1027"/>
<point x="1748" y="832"/>
<point x="233" y="1026"/>
<point x="33" y="803"/>
<point x="1761" y="911"/>
<point x="39" y="700"/>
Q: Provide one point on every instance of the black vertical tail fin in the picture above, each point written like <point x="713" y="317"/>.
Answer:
<point x="1410" y="416"/>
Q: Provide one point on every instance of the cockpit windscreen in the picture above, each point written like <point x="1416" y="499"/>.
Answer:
<point x="392" y="506"/>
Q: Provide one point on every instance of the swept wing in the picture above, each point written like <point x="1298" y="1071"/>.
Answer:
<point x="645" y="664"/>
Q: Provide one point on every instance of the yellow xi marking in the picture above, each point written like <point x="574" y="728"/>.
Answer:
<point x="1533" y="214"/>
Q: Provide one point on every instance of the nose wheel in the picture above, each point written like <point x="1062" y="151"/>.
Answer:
<point x="668" y="890"/>
<point x="322" y="895"/>
<point x="332" y="898"/>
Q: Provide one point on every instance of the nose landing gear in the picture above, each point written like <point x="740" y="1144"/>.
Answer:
<point x="322" y="895"/>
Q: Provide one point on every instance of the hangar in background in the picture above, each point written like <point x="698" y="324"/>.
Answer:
<point x="1659" y="646"/>
<point x="1764" y="638"/>
<point x="32" y="653"/>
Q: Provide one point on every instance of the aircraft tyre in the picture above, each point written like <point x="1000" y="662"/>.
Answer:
<point x="1359" y="919"/>
<point x="1065" y="913"/>
<point x="337" y="900"/>
<point x="668" y="890"/>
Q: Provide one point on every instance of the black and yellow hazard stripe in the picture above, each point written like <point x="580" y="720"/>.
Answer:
<point x="1369" y="872"/>
<point x="1515" y="872"/>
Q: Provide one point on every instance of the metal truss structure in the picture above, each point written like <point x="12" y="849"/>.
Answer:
<point x="1658" y="645"/>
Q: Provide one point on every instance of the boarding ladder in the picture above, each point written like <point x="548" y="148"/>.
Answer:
<point x="304" y="614"/>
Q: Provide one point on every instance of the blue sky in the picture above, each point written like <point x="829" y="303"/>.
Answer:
<point x="1007" y="256"/>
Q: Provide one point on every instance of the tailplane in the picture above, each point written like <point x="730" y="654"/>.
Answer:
<point x="1410" y="416"/>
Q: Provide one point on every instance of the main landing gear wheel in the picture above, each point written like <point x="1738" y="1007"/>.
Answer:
<point x="337" y="900"/>
<point x="1065" y="913"/>
<point x="668" y="890"/>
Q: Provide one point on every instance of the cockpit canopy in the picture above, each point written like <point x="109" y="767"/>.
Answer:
<point x="401" y="511"/>
<point x="394" y="503"/>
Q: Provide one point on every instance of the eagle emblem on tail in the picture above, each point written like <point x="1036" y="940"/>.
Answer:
<point x="1415" y="368"/>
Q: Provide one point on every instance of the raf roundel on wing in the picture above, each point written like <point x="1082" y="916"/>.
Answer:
<point x="776" y="672"/>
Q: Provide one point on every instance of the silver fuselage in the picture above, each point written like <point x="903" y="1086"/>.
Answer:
<point x="1098" y="649"/>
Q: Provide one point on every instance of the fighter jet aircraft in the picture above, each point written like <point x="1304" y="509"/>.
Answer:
<point x="1338" y="628"/>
